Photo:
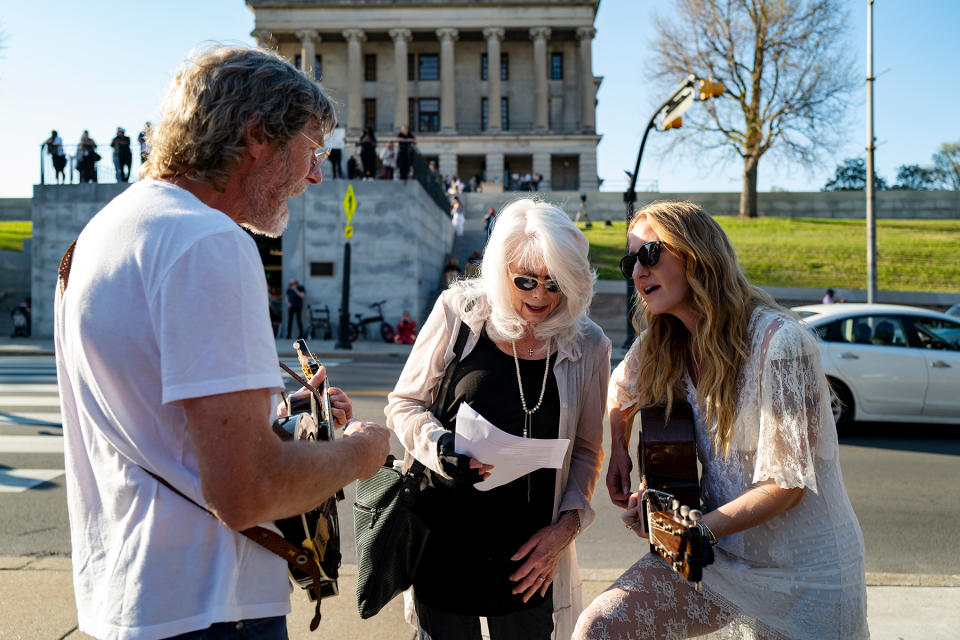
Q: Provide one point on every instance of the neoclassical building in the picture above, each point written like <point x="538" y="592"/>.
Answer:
<point x="489" y="87"/>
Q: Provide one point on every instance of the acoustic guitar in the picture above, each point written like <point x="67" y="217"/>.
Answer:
<point x="667" y="454"/>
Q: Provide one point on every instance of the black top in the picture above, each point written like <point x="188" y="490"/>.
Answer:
<point x="473" y="533"/>
<point x="403" y="141"/>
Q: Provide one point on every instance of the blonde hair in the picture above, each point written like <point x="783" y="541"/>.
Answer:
<point x="214" y="99"/>
<point x="723" y="301"/>
<point x="532" y="235"/>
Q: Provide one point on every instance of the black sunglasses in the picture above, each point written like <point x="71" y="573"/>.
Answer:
<point x="648" y="255"/>
<point x="527" y="283"/>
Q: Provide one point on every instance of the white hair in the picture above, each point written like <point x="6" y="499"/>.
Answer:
<point x="534" y="237"/>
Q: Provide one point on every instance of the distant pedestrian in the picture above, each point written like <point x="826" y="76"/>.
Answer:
<point x="144" y="139"/>
<point x="295" y="295"/>
<point x="456" y="215"/>
<point x="336" y="152"/>
<point x="489" y="220"/>
<point x="353" y="168"/>
<point x="406" y="330"/>
<point x="582" y="212"/>
<point x="472" y="268"/>
<point x="87" y="158"/>
<point x="122" y="157"/>
<point x="405" y="142"/>
<point x="55" y="149"/>
<point x="828" y="298"/>
<point x="388" y="158"/>
<point x="451" y="272"/>
<point x="368" y="153"/>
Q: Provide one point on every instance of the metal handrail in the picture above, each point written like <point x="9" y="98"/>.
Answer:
<point x="104" y="168"/>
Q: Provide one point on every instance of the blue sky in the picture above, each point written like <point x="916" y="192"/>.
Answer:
<point x="72" y="65"/>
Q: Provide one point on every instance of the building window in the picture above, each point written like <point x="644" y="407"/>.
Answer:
<point x="411" y="68"/>
<point x="556" y="66"/>
<point x="504" y="66"/>
<point x="484" y="113"/>
<point x="370" y="113"/>
<point x="428" y="114"/>
<point x="317" y="66"/>
<point x="505" y="114"/>
<point x="428" y="66"/>
<point x="370" y="67"/>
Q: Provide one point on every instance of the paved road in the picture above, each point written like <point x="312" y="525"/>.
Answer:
<point x="900" y="477"/>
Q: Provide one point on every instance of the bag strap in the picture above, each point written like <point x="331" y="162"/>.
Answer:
<point x="266" y="538"/>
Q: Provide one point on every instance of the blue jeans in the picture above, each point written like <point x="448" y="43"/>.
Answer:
<point x="274" y="628"/>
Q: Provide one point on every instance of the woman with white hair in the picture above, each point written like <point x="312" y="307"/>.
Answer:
<point x="535" y="366"/>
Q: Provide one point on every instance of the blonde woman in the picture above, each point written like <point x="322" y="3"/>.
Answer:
<point x="789" y="551"/>
<point x="535" y="366"/>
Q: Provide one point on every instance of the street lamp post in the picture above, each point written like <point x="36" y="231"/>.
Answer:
<point x="670" y="112"/>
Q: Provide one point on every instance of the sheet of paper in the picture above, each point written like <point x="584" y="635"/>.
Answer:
<point x="511" y="456"/>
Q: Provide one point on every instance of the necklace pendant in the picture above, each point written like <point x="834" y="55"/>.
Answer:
<point x="530" y="351"/>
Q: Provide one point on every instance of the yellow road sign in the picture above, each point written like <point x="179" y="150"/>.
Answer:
<point x="349" y="204"/>
<point x="348" y="231"/>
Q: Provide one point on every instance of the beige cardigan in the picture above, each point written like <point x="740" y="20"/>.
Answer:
<point x="582" y="370"/>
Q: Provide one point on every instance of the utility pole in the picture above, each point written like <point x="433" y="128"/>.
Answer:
<point x="870" y="187"/>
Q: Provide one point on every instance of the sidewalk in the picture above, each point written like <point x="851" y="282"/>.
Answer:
<point x="38" y="604"/>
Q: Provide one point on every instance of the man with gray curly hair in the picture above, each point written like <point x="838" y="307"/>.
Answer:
<point x="166" y="365"/>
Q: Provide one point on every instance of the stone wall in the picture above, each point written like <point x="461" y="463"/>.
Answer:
<point x="15" y="208"/>
<point x="603" y="205"/>
<point x="400" y="242"/>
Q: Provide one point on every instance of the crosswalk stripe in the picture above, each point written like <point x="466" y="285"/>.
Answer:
<point x="27" y="387"/>
<point x="14" y="401"/>
<point x="31" y="444"/>
<point x="18" y="480"/>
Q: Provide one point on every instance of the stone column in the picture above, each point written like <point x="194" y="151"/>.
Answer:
<point x="401" y="112"/>
<point x="447" y="163"/>
<point x="355" y="38"/>
<point x="588" y="170"/>
<point x="541" y="165"/>
<point x="448" y="79"/>
<point x="495" y="168"/>
<point x="541" y="116"/>
<point x="308" y="51"/>
<point x="587" y="97"/>
<point x="264" y="38"/>
<point x="494" y="117"/>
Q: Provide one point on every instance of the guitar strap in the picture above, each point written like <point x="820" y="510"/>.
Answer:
<point x="270" y="540"/>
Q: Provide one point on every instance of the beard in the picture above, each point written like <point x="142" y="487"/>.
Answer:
<point x="266" y="197"/>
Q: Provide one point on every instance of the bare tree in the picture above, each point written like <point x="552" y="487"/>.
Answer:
<point x="788" y="72"/>
<point x="947" y="162"/>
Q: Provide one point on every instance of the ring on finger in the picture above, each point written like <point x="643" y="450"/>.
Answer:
<point x="540" y="579"/>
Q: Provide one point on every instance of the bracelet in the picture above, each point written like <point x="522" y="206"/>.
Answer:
<point x="576" y="517"/>
<point x="707" y="533"/>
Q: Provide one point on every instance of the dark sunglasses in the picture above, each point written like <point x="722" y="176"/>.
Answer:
<point x="648" y="255"/>
<point x="527" y="283"/>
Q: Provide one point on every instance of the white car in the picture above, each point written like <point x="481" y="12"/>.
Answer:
<point x="888" y="363"/>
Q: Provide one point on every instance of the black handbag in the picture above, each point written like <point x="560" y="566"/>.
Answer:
<point x="390" y="535"/>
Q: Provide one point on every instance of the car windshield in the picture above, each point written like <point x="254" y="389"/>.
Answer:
<point x="805" y="314"/>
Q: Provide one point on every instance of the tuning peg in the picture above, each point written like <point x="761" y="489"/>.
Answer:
<point x="675" y="505"/>
<point x="684" y="510"/>
<point x="695" y="515"/>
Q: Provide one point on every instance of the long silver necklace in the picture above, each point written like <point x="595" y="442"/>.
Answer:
<point x="528" y="413"/>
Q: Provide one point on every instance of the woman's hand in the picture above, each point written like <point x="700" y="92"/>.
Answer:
<point x="542" y="552"/>
<point x="633" y="516"/>
<point x="340" y="404"/>
<point x="618" y="476"/>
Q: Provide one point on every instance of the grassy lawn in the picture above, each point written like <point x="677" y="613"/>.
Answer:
<point x="13" y="233"/>
<point x="912" y="255"/>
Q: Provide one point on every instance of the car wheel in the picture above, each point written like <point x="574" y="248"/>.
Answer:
<point x="841" y="403"/>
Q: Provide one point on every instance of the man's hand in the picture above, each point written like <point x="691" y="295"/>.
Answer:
<point x="340" y="404"/>
<point x="372" y="444"/>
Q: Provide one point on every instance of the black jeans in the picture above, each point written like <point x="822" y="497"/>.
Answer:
<point x="527" y="624"/>
<point x="274" y="628"/>
<point x="291" y="314"/>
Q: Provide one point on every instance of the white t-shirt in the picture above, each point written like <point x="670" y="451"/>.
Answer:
<point x="166" y="301"/>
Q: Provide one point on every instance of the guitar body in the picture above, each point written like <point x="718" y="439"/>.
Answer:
<point x="667" y="455"/>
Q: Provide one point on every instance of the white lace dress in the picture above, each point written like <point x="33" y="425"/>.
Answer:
<point x="800" y="574"/>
